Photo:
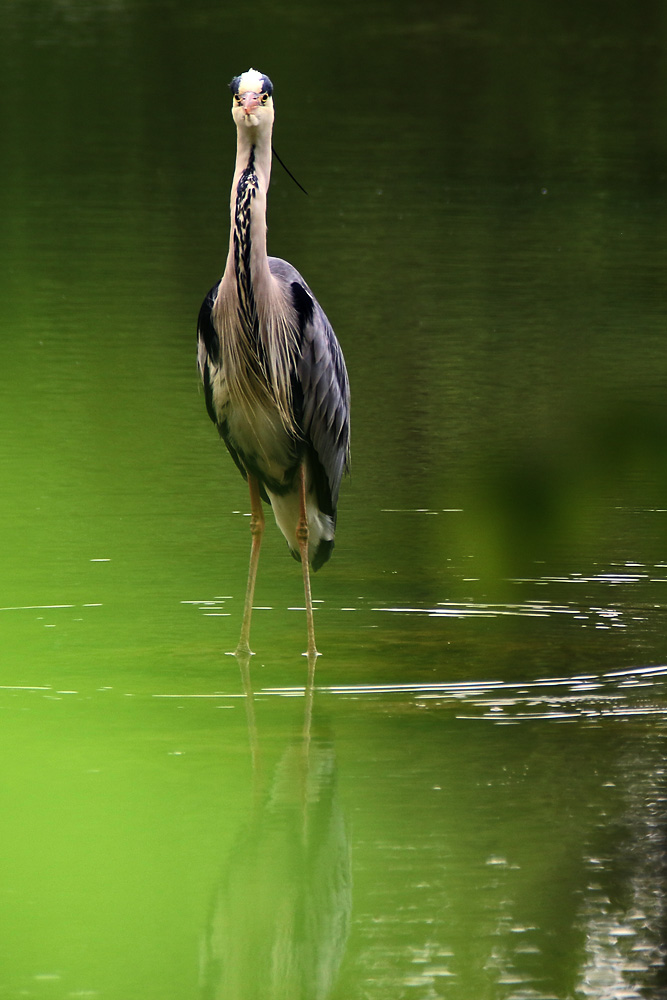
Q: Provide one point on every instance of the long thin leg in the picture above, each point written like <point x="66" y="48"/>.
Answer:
<point x="257" y="530"/>
<point x="302" y="538"/>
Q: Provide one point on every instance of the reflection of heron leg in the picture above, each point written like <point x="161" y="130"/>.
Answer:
<point x="257" y="530"/>
<point x="302" y="538"/>
<point x="243" y="660"/>
<point x="309" y="693"/>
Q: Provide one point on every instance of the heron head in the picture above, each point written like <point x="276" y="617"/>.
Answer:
<point x="252" y="106"/>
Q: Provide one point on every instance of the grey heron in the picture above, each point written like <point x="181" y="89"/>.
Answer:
<point x="274" y="376"/>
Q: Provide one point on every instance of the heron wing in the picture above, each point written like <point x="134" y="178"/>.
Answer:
<point x="322" y="386"/>
<point x="325" y="389"/>
<point x="208" y="350"/>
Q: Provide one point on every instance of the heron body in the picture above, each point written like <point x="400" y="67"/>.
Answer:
<point x="273" y="372"/>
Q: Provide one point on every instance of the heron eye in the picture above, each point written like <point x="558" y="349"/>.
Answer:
<point x="237" y="98"/>
<point x="265" y="98"/>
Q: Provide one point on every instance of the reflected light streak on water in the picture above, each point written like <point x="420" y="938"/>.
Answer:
<point x="589" y="698"/>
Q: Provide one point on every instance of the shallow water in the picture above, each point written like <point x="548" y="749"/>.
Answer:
<point x="469" y="799"/>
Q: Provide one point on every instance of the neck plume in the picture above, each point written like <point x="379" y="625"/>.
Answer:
<point x="248" y="203"/>
<point x="242" y="240"/>
<point x="260" y="349"/>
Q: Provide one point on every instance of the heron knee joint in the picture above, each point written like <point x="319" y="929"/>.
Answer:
<point x="256" y="524"/>
<point x="302" y="531"/>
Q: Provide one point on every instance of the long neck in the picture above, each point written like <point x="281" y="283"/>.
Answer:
<point x="247" y="261"/>
<point x="260" y="344"/>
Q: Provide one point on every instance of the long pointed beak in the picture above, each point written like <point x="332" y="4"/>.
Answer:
<point x="249" y="102"/>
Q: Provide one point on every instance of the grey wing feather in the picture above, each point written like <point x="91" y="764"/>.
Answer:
<point x="326" y="397"/>
<point x="323" y="382"/>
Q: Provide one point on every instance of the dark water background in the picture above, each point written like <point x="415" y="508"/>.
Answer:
<point x="472" y="802"/>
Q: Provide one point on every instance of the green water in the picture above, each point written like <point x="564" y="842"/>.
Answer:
<point x="471" y="802"/>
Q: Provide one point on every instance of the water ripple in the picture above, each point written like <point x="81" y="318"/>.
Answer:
<point x="601" y="617"/>
<point x="589" y="698"/>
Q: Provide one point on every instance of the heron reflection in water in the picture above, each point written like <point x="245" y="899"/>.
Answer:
<point x="280" y="917"/>
<point x="274" y="377"/>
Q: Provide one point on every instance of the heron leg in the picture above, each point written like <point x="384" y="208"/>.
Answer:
<point x="256" y="530"/>
<point x="302" y="535"/>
